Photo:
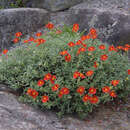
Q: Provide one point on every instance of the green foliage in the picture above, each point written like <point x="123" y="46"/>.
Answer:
<point x="28" y="64"/>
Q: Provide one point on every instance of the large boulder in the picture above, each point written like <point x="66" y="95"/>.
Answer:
<point x="111" y="22"/>
<point x="18" y="116"/>
<point x="52" y="5"/>
<point x="25" y="20"/>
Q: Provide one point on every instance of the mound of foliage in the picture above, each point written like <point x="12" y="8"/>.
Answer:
<point x="66" y="71"/>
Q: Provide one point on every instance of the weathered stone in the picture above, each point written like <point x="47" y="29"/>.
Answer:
<point x="53" y="5"/>
<point x="25" y="20"/>
<point x="112" y="23"/>
<point x="17" y="116"/>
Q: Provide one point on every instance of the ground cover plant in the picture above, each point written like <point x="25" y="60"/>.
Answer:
<point x="65" y="70"/>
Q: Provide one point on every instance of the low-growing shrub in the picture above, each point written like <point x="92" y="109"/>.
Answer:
<point x="66" y="71"/>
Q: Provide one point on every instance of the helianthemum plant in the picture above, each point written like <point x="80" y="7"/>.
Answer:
<point x="65" y="70"/>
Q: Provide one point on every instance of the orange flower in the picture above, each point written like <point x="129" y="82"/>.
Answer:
<point x="80" y="90"/>
<point x="106" y="89"/>
<point x="47" y="76"/>
<point x="111" y="48"/>
<point x="129" y="72"/>
<point x="79" y="42"/>
<point x="65" y="91"/>
<point x="93" y="31"/>
<point x="53" y="78"/>
<point x="60" y="94"/>
<point x="113" y="94"/>
<point x="82" y="76"/>
<point x="18" y="34"/>
<point x="45" y="99"/>
<point x="92" y="90"/>
<point x="76" y="74"/>
<point x="40" y="83"/>
<point x="95" y="65"/>
<point x="71" y="44"/>
<point x="89" y="73"/>
<point x="26" y="41"/>
<point x="55" y="87"/>
<point x="32" y="92"/>
<point x="75" y="27"/>
<point x="119" y="47"/>
<point x="104" y="57"/>
<point x="58" y="31"/>
<point x="127" y="45"/>
<point x="63" y="53"/>
<point x="68" y="58"/>
<point x="125" y="48"/>
<point x="94" y="99"/>
<point x="49" y="25"/>
<point x="92" y="48"/>
<point x="115" y="82"/>
<point x="86" y="98"/>
<point x="102" y="47"/>
<point x="94" y="36"/>
<point x="38" y="34"/>
<point x="16" y="40"/>
<point x="29" y="91"/>
<point x="31" y="39"/>
<point x="5" y="51"/>
<point x="85" y="37"/>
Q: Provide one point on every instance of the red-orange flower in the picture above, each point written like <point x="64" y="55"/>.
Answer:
<point x="92" y="90"/>
<point x="86" y="98"/>
<point x="80" y="90"/>
<point x="68" y="58"/>
<point x="92" y="48"/>
<point x="113" y="94"/>
<point x="95" y="65"/>
<point x="26" y="41"/>
<point x="75" y="27"/>
<point x="111" y="48"/>
<point x="49" y="26"/>
<point x="65" y="91"/>
<point x="41" y="40"/>
<point x="5" y="51"/>
<point x="89" y="73"/>
<point x="55" y="87"/>
<point x="115" y="82"/>
<point x="94" y="36"/>
<point x="31" y="39"/>
<point x="71" y="44"/>
<point x="63" y="53"/>
<point x="40" y="83"/>
<point x="79" y="42"/>
<point x="29" y="91"/>
<point x="76" y="74"/>
<point x="16" y="40"/>
<point x="106" y="89"/>
<point x="47" y="76"/>
<point x="127" y="45"/>
<point x="38" y="34"/>
<point x="60" y="94"/>
<point x="119" y="47"/>
<point x="93" y="31"/>
<point x="58" y="31"/>
<point x="45" y="99"/>
<point x="32" y="92"/>
<point x="82" y="76"/>
<point x="94" y="99"/>
<point x="85" y="37"/>
<point x="125" y="48"/>
<point x="18" y="34"/>
<point x="102" y="47"/>
<point x="104" y="57"/>
<point x="129" y="72"/>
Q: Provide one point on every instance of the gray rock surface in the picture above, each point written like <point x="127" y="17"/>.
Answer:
<point x="112" y="23"/>
<point x="25" y="20"/>
<point x="52" y="5"/>
<point x="17" y="116"/>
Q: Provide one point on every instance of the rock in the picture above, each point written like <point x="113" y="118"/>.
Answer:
<point x="18" y="116"/>
<point x="111" y="22"/>
<point x="25" y="20"/>
<point x="53" y="5"/>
